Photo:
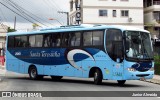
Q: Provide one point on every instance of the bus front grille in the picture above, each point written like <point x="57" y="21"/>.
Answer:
<point x="142" y="75"/>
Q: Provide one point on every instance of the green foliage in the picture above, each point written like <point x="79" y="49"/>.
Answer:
<point x="35" y="25"/>
<point x="11" y="30"/>
<point x="157" y="65"/>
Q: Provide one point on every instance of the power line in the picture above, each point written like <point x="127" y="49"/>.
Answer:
<point x="51" y="6"/>
<point x="28" y="13"/>
<point x="21" y="10"/>
<point x="40" y="18"/>
<point x="15" y="12"/>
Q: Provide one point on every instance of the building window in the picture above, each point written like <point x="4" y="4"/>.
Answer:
<point x="103" y="13"/>
<point x="114" y="13"/>
<point x="124" y="13"/>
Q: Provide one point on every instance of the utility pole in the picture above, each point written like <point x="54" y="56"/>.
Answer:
<point x="15" y="23"/>
<point x="67" y="13"/>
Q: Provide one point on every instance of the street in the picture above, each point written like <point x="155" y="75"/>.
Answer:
<point x="21" y="82"/>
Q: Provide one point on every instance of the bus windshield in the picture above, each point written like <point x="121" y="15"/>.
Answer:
<point x="138" y="45"/>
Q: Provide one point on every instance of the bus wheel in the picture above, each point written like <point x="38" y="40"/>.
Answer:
<point x="33" y="73"/>
<point x="56" y="78"/>
<point x="97" y="77"/>
<point x="121" y="82"/>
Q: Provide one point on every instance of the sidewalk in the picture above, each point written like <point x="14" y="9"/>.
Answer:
<point x="155" y="80"/>
<point x="2" y="72"/>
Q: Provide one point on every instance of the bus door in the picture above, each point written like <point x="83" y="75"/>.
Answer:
<point x="118" y="65"/>
<point x="114" y="49"/>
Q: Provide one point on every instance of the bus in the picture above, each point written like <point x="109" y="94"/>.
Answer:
<point x="101" y="52"/>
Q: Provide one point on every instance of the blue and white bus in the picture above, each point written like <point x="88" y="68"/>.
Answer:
<point x="103" y="52"/>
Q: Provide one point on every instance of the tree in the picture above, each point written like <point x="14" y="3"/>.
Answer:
<point x="35" y="25"/>
<point x="11" y="30"/>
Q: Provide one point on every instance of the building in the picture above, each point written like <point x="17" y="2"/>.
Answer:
<point x="111" y="12"/>
<point x="3" y="31"/>
<point x="152" y="17"/>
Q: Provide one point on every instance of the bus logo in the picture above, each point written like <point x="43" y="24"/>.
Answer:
<point x="17" y="53"/>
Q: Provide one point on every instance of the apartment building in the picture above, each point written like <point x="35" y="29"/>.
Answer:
<point x="152" y="17"/>
<point x="111" y="12"/>
<point x="3" y="31"/>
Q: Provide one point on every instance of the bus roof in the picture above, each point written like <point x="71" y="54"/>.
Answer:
<point x="79" y="28"/>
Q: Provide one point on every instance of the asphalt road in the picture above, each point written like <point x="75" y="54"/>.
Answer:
<point x="21" y="82"/>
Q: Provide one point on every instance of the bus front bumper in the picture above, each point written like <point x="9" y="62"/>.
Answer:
<point x="138" y="75"/>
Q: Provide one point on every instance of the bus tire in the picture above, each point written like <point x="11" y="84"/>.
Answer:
<point x="121" y="82"/>
<point x="33" y="74"/>
<point x="56" y="78"/>
<point x="97" y="77"/>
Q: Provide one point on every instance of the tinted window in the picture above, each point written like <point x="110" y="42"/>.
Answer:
<point x="66" y="39"/>
<point x="97" y="38"/>
<point x="114" y="43"/>
<point x="56" y="40"/>
<point x="32" y="40"/>
<point x="17" y="41"/>
<point x="39" y="40"/>
<point x="87" y="38"/>
<point x="75" y="39"/>
<point x="47" y="40"/>
<point x="93" y="38"/>
<point x="11" y="41"/>
<point x="24" y="41"/>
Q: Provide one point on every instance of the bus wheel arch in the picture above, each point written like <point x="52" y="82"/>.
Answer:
<point x="96" y="73"/>
<point x="121" y="82"/>
<point x="33" y="73"/>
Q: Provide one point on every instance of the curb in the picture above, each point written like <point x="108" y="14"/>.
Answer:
<point x="2" y="73"/>
<point x="154" y="81"/>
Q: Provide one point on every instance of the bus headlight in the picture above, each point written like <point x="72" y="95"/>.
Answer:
<point x="131" y="69"/>
<point x="151" y="69"/>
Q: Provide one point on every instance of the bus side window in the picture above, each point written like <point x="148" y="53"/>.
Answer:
<point x="24" y="41"/>
<point x="11" y="41"/>
<point x="65" y="39"/>
<point x="75" y="39"/>
<point x="39" y="41"/>
<point x="87" y="38"/>
<point x="32" y="41"/>
<point x="47" y="40"/>
<point x="97" y="38"/>
<point x="17" y="41"/>
<point x="56" y="40"/>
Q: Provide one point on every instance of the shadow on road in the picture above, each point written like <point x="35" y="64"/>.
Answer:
<point x="79" y="81"/>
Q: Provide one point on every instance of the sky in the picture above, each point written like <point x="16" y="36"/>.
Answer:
<point x="41" y="10"/>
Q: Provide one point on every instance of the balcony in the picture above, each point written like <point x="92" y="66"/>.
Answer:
<point x="156" y="2"/>
<point x="152" y="8"/>
<point x="151" y="5"/>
